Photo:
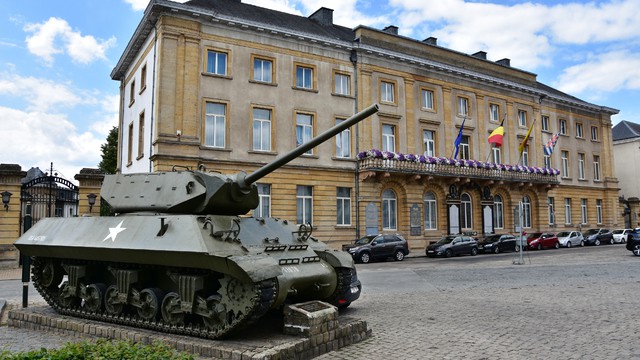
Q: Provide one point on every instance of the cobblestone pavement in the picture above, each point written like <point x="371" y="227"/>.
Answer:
<point x="562" y="304"/>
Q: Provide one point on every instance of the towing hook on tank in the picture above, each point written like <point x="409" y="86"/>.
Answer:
<point x="320" y="286"/>
<point x="163" y="227"/>
<point x="292" y="291"/>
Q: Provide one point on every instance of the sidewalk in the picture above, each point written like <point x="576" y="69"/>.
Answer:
<point x="11" y="274"/>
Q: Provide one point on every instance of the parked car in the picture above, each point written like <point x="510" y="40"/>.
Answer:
<point x="453" y="245"/>
<point x="633" y="241"/>
<point x="570" y="238"/>
<point x="621" y="235"/>
<point x="497" y="243"/>
<point x="378" y="247"/>
<point x="598" y="236"/>
<point x="540" y="240"/>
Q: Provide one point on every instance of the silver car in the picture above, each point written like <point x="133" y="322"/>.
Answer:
<point x="570" y="238"/>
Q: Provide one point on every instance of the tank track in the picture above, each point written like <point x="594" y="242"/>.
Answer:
<point x="263" y="297"/>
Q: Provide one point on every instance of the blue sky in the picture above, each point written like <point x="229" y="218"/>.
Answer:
<point x="58" y="102"/>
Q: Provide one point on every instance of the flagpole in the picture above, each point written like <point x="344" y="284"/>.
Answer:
<point x="459" y="135"/>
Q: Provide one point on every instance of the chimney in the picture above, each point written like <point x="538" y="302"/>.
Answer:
<point x="431" y="41"/>
<point x="480" y="55"/>
<point x="391" y="29"/>
<point x="323" y="16"/>
<point x="504" y="62"/>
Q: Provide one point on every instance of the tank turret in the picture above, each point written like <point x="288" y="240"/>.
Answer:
<point x="178" y="258"/>
<point x="189" y="192"/>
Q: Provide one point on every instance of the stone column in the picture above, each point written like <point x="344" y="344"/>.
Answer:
<point x="89" y="181"/>
<point x="10" y="177"/>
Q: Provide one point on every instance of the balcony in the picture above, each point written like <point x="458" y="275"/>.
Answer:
<point x="373" y="162"/>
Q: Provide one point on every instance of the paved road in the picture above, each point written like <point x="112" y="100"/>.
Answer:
<point x="562" y="304"/>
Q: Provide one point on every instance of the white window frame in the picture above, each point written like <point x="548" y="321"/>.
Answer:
<point x="304" y="131"/>
<point x="496" y="155"/>
<point x="215" y="125"/>
<point x="388" y="137"/>
<point x="261" y="129"/>
<point x="596" y="167"/>
<point x="494" y="112"/>
<point x="465" y="148"/>
<point x="526" y="212"/>
<point x="342" y="84"/>
<point x="583" y="211"/>
<point x="547" y="161"/>
<point x="567" y="211"/>
<point x="498" y="212"/>
<point x="217" y="68"/>
<point x="343" y="142"/>
<point x="579" y="131"/>
<point x="581" y="170"/>
<point x="264" y="201"/>
<point x="304" y="204"/>
<point x="430" y="211"/>
<point x="387" y="91"/>
<point x="522" y="118"/>
<point x="260" y="74"/>
<point x="463" y="106"/>
<point x="564" y="154"/>
<point x="599" y="211"/>
<point x="304" y="77"/>
<point x="428" y="98"/>
<point x="594" y="133"/>
<point x="389" y="210"/>
<point x="343" y="206"/>
<point x="562" y="125"/>
<point x="466" y="212"/>
<point x="551" y="210"/>
<point x="545" y="122"/>
<point x="429" y="141"/>
<point x="525" y="155"/>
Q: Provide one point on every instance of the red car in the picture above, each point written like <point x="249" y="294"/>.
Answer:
<point x="540" y="240"/>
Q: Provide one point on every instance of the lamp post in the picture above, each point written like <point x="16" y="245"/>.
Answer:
<point x="6" y="196"/>
<point x="92" y="200"/>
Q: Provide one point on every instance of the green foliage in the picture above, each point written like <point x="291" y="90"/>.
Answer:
<point x="109" y="162"/>
<point x="101" y="349"/>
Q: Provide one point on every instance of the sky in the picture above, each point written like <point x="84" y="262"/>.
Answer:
<point x="58" y="102"/>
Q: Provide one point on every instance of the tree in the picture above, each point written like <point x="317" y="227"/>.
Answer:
<point x="109" y="162"/>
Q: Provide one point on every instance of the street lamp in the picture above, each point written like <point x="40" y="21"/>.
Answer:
<point x="6" y="196"/>
<point x="92" y="200"/>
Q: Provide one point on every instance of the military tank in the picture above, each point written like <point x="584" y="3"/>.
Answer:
<point x="179" y="257"/>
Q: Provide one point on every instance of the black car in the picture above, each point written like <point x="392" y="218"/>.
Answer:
<point x="453" y="245"/>
<point x="633" y="241"/>
<point x="378" y="247"/>
<point x="598" y="236"/>
<point x="498" y="243"/>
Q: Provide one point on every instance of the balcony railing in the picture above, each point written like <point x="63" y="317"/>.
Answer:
<point x="378" y="161"/>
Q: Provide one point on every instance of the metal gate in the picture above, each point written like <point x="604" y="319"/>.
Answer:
<point x="47" y="196"/>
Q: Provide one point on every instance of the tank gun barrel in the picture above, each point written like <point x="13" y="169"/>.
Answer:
<point x="286" y="158"/>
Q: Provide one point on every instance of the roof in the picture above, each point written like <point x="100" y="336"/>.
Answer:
<point x="625" y="130"/>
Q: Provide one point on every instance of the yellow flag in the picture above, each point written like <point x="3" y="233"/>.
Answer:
<point x="526" y="138"/>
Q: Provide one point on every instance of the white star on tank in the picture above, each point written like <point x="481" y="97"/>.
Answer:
<point x="113" y="232"/>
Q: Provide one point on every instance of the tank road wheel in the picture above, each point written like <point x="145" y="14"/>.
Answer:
<point x="216" y="318"/>
<point x="94" y="302"/>
<point x="111" y="304"/>
<point x="68" y="300"/>
<point x="51" y="274"/>
<point x="171" y="312"/>
<point x="150" y="300"/>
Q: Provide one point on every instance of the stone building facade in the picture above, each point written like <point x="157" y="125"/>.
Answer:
<point x="227" y="86"/>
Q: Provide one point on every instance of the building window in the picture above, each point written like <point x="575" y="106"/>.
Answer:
<point x="141" y="135"/>
<point x="215" y="124"/>
<point x="428" y="139"/>
<point x="579" y="132"/>
<point x="143" y="78"/>
<point x="466" y="215"/>
<point x="463" y="106"/>
<point x="583" y="210"/>
<point x="547" y="161"/>
<point x="264" y="201"/>
<point x="343" y="142"/>
<point x="563" y="127"/>
<point x="496" y="155"/>
<point x="599" y="211"/>
<point x="132" y="92"/>
<point x="525" y="156"/>
<point x="217" y="62"/>
<point x="389" y="210"/>
<point x="304" y="77"/>
<point x="594" y="133"/>
<point x="304" y="130"/>
<point x="498" y="212"/>
<point x="596" y="167"/>
<point x="341" y="84"/>
<point x="261" y="129"/>
<point x="552" y="210"/>
<point x="427" y="100"/>
<point x="565" y="163"/>
<point x="494" y="112"/>
<point x="388" y="138"/>
<point x="387" y="92"/>
<point x="567" y="211"/>
<point x="304" y="204"/>
<point x="130" y="144"/>
<point x="263" y="70"/>
<point x="430" y="212"/>
<point x="545" y="123"/>
<point x="343" y="206"/>
<point x="522" y="118"/>
<point x="526" y="212"/>
<point x="581" y="166"/>
<point x="465" y="149"/>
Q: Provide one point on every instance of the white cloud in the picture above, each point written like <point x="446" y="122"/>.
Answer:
<point x="41" y="94"/>
<point x="609" y="72"/>
<point x="37" y="137"/>
<point x="54" y="36"/>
